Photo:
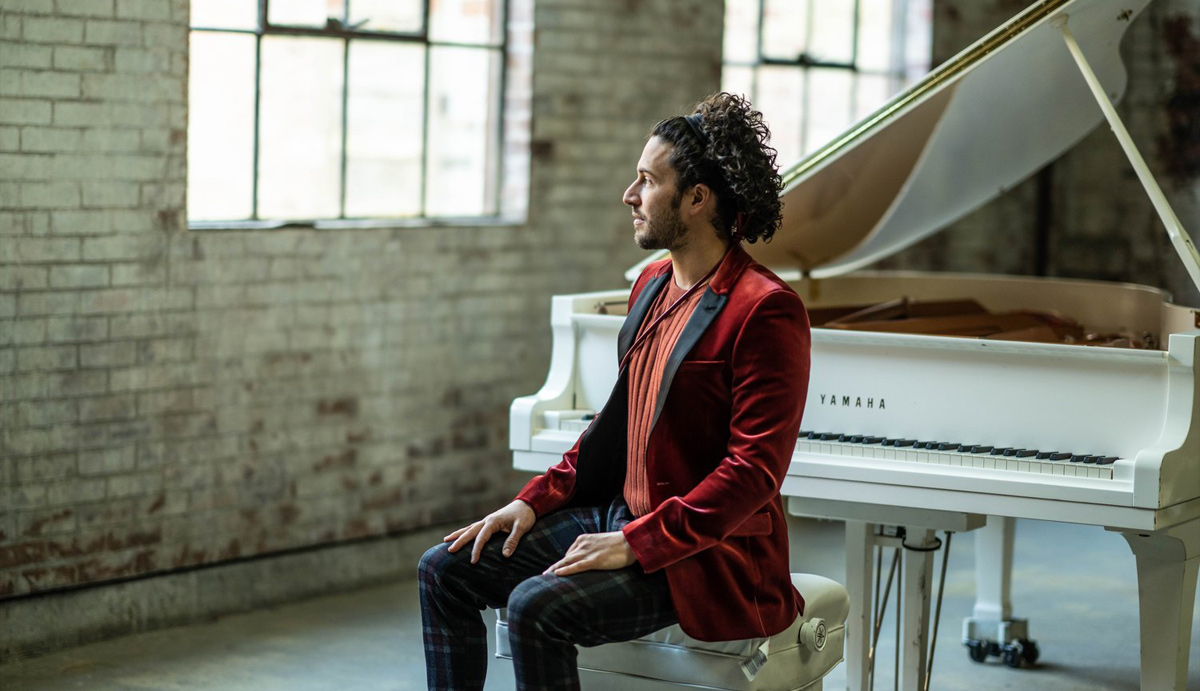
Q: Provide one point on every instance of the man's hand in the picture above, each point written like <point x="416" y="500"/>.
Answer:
<point x="515" y="519"/>
<point x="594" y="552"/>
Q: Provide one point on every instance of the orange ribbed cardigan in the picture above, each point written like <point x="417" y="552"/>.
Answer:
<point x="646" y="365"/>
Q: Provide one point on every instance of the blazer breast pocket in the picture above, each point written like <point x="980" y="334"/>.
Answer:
<point x="758" y="524"/>
<point x="702" y="372"/>
<point x="701" y="365"/>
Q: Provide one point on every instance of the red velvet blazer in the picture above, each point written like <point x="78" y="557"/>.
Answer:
<point x="724" y="429"/>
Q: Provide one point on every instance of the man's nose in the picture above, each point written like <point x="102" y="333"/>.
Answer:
<point x="630" y="197"/>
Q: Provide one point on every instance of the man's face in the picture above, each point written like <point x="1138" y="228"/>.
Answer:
<point x="655" y="201"/>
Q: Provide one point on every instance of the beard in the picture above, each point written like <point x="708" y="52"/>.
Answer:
<point x="664" y="232"/>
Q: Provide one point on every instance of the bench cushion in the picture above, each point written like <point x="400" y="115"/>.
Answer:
<point x="672" y="656"/>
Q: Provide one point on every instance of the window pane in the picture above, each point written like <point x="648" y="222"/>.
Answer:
<point x="780" y="95"/>
<point x="873" y="90"/>
<point x="785" y="28"/>
<point x="918" y="39"/>
<point x="300" y="128"/>
<point x="875" y="36"/>
<point x="738" y="80"/>
<point x="833" y="31"/>
<point x="465" y="21"/>
<point x="463" y="110"/>
<point x="383" y="142"/>
<point x="387" y="15"/>
<point x="304" y="12"/>
<point x="830" y="92"/>
<point x="225" y="14"/>
<point x="221" y="126"/>
<point x="741" y="31"/>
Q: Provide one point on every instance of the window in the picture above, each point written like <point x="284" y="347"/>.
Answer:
<point x="814" y="67"/>
<point x="309" y="110"/>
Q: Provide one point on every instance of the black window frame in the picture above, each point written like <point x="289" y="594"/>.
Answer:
<point x="336" y="29"/>
<point x="806" y="61"/>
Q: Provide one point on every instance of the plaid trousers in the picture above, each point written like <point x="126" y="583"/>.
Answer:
<point x="547" y="615"/>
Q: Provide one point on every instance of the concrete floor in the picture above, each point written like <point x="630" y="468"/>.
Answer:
<point x="1076" y="584"/>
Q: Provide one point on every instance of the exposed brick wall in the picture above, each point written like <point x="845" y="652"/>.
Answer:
<point x="173" y="398"/>
<point x="1104" y="224"/>
<point x="1100" y="223"/>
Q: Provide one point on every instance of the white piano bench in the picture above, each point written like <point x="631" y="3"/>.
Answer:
<point x="799" y="657"/>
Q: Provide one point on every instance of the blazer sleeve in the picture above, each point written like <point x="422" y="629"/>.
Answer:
<point x="554" y="488"/>
<point x="770" y="364"/>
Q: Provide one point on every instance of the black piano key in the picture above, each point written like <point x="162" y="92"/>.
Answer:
<point x="1045" y="455"/>
<point x="1060" y="456"/>
<point x="1012" y="451"/>
<point x="814" y="435"/>
<point x="1027" y="453"/>
<point x="980" y="448"/>
<point x="1079" y="458"/>
<point x="1002" y="451"/>
<point x="830" y="436"/>
<point x="1092" y="459"/>
<point x="1106" y="460"/>
<point x="948" y="446"/>
<point x="873" y="440"/>
<point x="853" y="439"/>
<point x="803" y="433"/>
<point x="926" y="445"/>
<point x="905" y="442"/>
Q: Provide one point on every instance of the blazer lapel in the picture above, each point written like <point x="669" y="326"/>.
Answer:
<point x="637" y="314"/>
<point x="706" y="312"/>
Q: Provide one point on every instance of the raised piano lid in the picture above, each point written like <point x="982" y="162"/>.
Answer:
<point x="970" y="130"/>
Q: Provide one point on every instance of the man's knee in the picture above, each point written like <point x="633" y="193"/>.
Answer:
<point x="541" y="602"/>
<point x="434" y="563"/>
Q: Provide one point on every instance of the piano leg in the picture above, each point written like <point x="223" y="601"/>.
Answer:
<point x="1167" y="564"/>
<point x="993" y="570"/>
<point x="860" y="540"/>
<point x="992" y="620"/>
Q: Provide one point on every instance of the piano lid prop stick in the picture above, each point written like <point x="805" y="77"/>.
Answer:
<point x="1179" y="237"/>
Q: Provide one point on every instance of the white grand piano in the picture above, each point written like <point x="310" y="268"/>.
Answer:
<point x="1093" y="430"/>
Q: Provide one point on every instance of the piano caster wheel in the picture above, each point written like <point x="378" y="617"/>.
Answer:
<point x="1021" y="652"/>
<point x="978" y="650"/>
<point x="1029" y="651"/>
<point x="1013" y="658"/>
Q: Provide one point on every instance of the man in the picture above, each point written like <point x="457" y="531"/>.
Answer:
<point x="667" y="509"/>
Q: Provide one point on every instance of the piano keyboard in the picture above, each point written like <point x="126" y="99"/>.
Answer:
<point x="955" y="454"/>
<point x="1065" y="463"/>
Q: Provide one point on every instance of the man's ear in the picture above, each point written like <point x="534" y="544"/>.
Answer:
<point x="699" y="200"/>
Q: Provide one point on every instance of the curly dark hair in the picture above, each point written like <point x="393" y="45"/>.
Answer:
<point x="723" y="144"/>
